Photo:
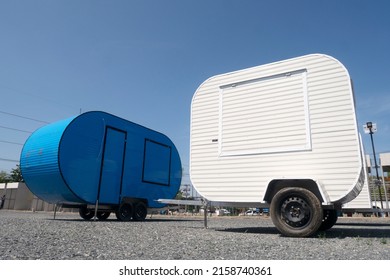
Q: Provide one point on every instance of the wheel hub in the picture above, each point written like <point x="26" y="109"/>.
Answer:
<point x="295" y="212"/>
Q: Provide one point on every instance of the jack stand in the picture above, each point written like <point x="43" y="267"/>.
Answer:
<point x="205" y="203"/>
<point x="96" y="210"/>
<point x="55" y="211"/>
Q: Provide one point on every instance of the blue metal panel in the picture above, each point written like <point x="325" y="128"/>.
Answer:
<point x="112" y="167"/>
<point x="39" y="164"/>
<point x="157" y="163"/>
<point x="76" y="161"/>
<point x="81" y="153"/>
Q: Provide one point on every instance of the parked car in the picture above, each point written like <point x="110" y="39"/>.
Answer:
<point x="225" y="211"/>
<point x="251" y="213"/>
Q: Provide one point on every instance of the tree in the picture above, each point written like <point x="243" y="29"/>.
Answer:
<point x="179" y="195"/>
<point x="16" y="174"/>
<point x="4" y="177"/>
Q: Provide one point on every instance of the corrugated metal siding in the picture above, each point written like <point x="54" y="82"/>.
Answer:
<point x="39" y="164"/>
<point x="363" y="200"/>
<point x="266" y="115"/>
<point x="334" y="157"/>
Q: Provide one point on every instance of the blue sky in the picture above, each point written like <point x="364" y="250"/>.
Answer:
<point x="143" y="60"/>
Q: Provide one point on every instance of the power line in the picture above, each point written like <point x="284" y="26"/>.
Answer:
<point x="15" y="129"/>
<point x="9" y="142"/>
<point x="23" y="92"/>
<point x="23" y="117"/>
<point x="10" y="160"/>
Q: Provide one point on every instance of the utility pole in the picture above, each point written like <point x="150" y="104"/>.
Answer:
<point x="371" y="128"/>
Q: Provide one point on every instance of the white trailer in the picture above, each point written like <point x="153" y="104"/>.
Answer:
<point x="282" y="135"/>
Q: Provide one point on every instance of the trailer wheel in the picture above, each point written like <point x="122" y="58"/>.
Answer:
<point x="140" y="211"/>
<point x="103" y="215"/>
<point x="86" y="213"/>
<point x="329" y="219"/>
<point x="296" y="212"/>
<point x="125" y="211"/>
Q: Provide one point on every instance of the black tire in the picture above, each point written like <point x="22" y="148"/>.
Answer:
<point x="296" y="212"/>
<point x="125" y="211"/>
<point x="140" y="211"/>
<point x="103" y="215"/>
<point x="86" y="213"/>
<point x="329" y="219"/>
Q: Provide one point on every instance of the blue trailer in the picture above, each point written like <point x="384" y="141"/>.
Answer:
<point x="100" y="164"/>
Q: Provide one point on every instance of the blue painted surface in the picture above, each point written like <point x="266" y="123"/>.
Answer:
<point x="100" y="156"/>
<point x="112" y="168"/>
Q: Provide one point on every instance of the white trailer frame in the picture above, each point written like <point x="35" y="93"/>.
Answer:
<point x="283" y="134"/>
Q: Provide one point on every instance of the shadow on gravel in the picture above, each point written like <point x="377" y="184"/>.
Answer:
<point x="117" y="221"/>
<point x="365" y="224"/>
<point x="344" y="232"/>
<point x="251" y="230"/>
<point x="338" y="232"/>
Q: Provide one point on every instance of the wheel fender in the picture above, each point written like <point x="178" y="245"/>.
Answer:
<point x="275" y="185"/>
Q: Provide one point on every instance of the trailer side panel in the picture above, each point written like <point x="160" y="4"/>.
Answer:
<point x="293" y="119"/>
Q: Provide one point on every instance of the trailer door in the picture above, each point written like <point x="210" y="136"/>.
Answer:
<point x="111" y="174"/>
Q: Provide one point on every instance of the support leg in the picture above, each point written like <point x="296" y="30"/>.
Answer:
<point x="96" y="210"/>
<point x="55" y="211"/>
<point x="206" y="208"/>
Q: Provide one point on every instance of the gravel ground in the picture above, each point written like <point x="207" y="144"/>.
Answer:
<point x="27" y="235"/>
